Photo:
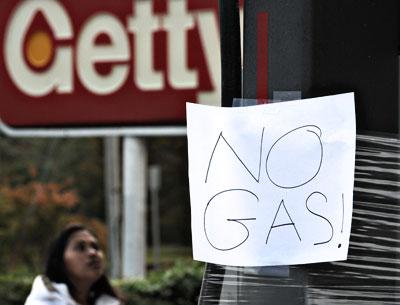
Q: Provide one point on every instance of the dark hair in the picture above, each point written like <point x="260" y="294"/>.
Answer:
<point x="56" y="271"/>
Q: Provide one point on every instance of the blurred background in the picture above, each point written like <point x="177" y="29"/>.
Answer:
<point x="48" y="183"/>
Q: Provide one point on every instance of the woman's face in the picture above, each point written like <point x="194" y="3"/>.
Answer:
<point x="83" y="259"/>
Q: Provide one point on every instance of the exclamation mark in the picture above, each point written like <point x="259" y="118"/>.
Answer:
<point x="341" y="230"/>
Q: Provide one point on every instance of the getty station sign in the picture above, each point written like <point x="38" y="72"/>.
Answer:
<point x="106" y="62"/>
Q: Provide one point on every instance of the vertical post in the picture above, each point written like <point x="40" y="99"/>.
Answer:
<point x="113" y="203"/>
<point x="231" y="87"/>
<point x="154" y="186"/>
<point x="134" y="216"/>
<point x="231" y="67"/>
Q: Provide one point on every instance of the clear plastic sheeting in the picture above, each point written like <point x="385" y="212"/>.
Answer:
<point x="371" y="275"/>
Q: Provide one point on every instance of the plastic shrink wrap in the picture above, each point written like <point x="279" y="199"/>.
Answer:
<point x="370" y="275"/>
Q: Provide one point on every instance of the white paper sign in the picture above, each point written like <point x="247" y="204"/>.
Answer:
<point x="272" y="184"/>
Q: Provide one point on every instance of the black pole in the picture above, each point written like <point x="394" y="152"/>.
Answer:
<point x="231" y="87"/>
<point x="231" y="70"/>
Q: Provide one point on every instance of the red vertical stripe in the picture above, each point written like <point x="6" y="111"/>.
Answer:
<point x="262" y="55"/>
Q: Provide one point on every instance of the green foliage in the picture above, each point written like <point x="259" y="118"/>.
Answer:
<point x="179" y="285"/>
<point x="74" y="163"/>
<point x="14" y="289"/>
<point x="44" y="184"/>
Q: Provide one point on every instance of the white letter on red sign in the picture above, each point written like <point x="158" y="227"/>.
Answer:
<point x="59" y="75"/>
<point x="177" y="22"/>
<point x="88" y="54"/>
<point x="143" y="25"/>
<point x="208" y="29"/>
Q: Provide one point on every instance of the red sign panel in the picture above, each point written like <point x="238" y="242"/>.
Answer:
<point x="106" y="62"/>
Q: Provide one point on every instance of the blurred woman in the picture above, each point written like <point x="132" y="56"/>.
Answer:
<point x="74" y="273"/>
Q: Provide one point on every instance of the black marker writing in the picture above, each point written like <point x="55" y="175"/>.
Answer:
<point x="284" y="170"/>
<point x="341" y="230"/>
<point x="287" y="143"/>
<point x="237" y="220"/>
<point x="237" y="156"/>
<point x="291" y="223"/>
<point x="318" y="215"/>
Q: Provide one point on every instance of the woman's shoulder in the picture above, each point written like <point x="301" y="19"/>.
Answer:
<point x="106" y="299"/>
<point x="45" y="292"/>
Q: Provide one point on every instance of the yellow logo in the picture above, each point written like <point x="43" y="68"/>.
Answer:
<point x="39" y="49"/>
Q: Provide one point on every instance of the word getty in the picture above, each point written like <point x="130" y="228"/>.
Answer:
<point x="122" y="53"/>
